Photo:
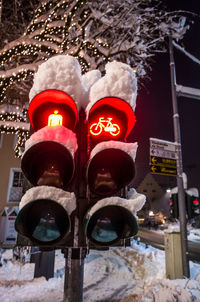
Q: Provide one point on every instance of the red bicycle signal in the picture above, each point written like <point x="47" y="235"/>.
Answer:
<point x="104" y="125"/>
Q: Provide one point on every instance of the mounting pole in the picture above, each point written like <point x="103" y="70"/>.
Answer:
<point x="74" y="271"/>
<point x="181" y="192"/>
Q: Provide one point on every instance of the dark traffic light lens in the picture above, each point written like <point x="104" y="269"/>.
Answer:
<point x="110" y="224"/>
<point x="43" y="221"/>
<point x="37" y="162"/>
<point x="109" y="171"/>
<point x="46" y="229"/>
<point x="104" y="230"/>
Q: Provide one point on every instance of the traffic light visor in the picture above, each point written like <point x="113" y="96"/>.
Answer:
<point x="48" y="163"/>
<point x="109" y="171"/>
<point x="44" y="105"/>
<point x="111" y="116"/>
<point x="109" y="224"/>
<point x="43" y="221"/>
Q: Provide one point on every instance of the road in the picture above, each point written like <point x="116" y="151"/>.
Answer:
<point x="156" y="239"/>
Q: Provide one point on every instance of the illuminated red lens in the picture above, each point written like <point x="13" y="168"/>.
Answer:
<point x="119" y="109"/>
<point x="195" y="202"/>
<point x="55" y="119"/>
<point x="105" y="125"/>
<point x="171" y="203"/>
<point x="47" y="103"/>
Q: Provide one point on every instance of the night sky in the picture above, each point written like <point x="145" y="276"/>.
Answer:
<point x="154" y="114"/>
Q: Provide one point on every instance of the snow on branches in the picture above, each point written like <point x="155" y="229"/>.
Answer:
<point x="95" y="32"/>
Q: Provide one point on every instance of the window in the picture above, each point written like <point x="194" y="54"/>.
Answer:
<point x="16" y="185"/>
<point x="17" y="179"/>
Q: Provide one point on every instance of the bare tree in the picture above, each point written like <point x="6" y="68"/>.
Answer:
<point x="95" y="32"/>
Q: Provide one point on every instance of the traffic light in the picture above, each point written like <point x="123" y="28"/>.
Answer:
<point x="48" y="164"/>
<point x="191" y="202"/>
<point x="193" y="206"/>
<point x="174" y="211"/>
<point x="89" y="156"/>
<point x="111" y="167"/>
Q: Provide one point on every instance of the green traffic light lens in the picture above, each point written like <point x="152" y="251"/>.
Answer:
<point x="43" y="221"/>
<point x="110" y="224"/>
<point x="47" y="229"/>
<point x="104" y="230"/>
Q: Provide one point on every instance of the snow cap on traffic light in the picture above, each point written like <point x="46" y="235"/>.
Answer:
<point x="61" y="72"/>
<point x="113" y="218"/>
<point x="49" y="156"/>
<point x="119" y="81"/>
<point x="44" y="215"/>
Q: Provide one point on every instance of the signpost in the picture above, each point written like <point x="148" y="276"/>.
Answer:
<point x="163" y="157"/>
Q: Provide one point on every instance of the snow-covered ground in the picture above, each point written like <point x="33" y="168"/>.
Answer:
<point x="194" y="234"/>
<point x="120" y="274"/>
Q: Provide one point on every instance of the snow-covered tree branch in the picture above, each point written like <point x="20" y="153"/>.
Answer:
<point x="93" y="31"/>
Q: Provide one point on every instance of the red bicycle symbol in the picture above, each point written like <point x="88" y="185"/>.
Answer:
<point x="106" y="125"/>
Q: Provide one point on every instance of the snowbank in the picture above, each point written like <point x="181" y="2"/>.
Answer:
<point x="134" y="274"/>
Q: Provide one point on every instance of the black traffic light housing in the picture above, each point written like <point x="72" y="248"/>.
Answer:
<point x="192" y="206"/>
<point x="48" y="163"/>
<point x="97" y="172"/>
<point x="111" y="167"/>
<point x="174" y="209"/>
<point x="109" y="170"/>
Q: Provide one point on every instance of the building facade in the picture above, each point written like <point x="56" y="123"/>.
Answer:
<point x="11" y="177"/>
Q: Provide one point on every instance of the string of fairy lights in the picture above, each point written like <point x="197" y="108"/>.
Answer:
<point x="57" y="28"/>
<point x="12" y="124"/>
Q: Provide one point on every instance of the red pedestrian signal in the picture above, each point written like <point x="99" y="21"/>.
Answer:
<point x="46" y="103"/>
<point x="55" y="119"/>
<point x="48" y="164"/>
